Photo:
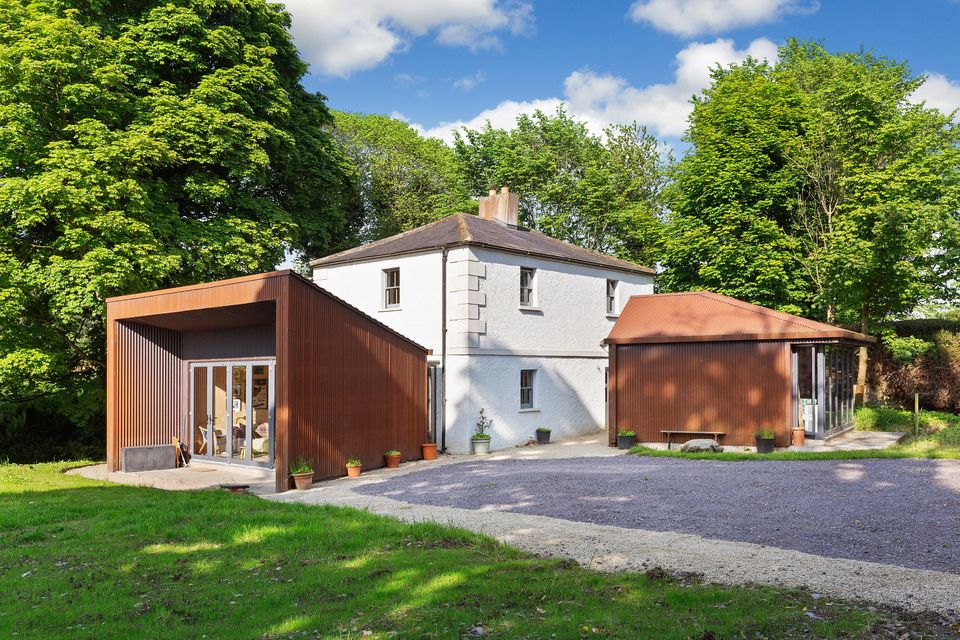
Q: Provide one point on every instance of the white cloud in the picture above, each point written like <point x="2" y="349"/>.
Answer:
<point x="939" y="92"/>
<point x="503" y="115"/>
<point x="339" y="37"/>
<point x="688" y="18"/>
<point x="601" y="99"/>
<point x="466" y="83"/>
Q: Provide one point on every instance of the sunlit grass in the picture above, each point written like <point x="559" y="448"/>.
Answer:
<point x="84" y="559"/>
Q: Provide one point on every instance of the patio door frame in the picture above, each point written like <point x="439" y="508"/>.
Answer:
<point x="209" y="366"/>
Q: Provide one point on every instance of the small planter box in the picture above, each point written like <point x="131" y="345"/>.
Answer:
<point x="543" y="437"/>
<point x="625" y="442"/>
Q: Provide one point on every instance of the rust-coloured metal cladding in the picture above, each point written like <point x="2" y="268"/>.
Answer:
<point x="733" y="387"/>
<point x="702" y="316"/>
<point x="346" y="385"/>
<point x="704" y="362"/>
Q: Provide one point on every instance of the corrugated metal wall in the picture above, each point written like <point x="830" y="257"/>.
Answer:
<point x="346" y="386"/>
<point x="355" y="388"/>
<point x="224" y="344"/>
<point x="152" y="397"/>
<point x="735" y="387"/>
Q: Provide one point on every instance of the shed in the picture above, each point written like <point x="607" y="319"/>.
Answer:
<point x="704" y="362"/>
<point x="261" y="370"/>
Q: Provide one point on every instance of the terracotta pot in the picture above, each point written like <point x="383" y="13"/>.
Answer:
<point x="393" y="462"/>
<point x="354" y="472"/>
<point x="799" y="437"/>
<point x="429" y="450"/>
<point x="303" y="480"/>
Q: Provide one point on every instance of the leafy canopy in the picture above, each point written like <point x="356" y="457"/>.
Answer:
<point x="602" y="193"/>
<point x="815" y="186"/>
<point x="402" y="180"/>
<point x="145" y="145"/>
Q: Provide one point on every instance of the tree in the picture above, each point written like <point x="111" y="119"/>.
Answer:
<point x="145" y="145"/>
<point x="814" y="185"/>
<point x="403" y="180"/>
<point x="599" y="193"/>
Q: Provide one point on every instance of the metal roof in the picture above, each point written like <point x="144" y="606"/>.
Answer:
<point x="702" y="316"/>
<point x="461" y="229"/>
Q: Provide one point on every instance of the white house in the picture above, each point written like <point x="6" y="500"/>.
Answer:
<point x="515" y="319"/>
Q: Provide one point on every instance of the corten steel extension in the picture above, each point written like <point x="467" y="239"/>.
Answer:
<point x="705" y="362"/>
<point x="345" y="385"/>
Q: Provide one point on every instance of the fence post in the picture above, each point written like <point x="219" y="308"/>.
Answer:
<point x="916" y="414"/>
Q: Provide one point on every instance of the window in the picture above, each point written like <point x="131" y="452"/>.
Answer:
<point x="526" y="388"/>
<point x="391" y="288"/>
<point x="612" y="307"/>
<point x="526" y="287"/>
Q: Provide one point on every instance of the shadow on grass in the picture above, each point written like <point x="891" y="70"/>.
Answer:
<point x="80" y="558"/>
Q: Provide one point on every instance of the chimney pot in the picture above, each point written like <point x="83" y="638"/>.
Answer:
<point x="503" y="206"/>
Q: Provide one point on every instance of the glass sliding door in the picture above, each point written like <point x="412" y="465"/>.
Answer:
<point x="231" y="411"/>
<point x="218" y="411"/>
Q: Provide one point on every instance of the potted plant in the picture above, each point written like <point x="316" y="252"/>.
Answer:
<point x="302" y="471"/>
<point x="481" y="439"/>
<point x="393" y="459"/>
<point x="543" y="435"/>
<point x="626" y="439"/>
<point x="764" y="439"/>
<point x="428" y="451"/>
<point x="353" y="467"/>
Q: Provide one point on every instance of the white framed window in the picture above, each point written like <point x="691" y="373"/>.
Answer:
<point x="527" y="378"/>
<point x="528" y="287"/>
<point x="391" y="288"/>
<point x="613" y="308"/>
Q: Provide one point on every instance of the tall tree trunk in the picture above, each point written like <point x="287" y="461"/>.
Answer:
<point x="861" y="393"/>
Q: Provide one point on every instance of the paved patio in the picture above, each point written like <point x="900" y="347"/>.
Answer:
<point x="199" y="475"/>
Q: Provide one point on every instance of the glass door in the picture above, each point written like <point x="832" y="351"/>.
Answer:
<point x="231" y="411"/>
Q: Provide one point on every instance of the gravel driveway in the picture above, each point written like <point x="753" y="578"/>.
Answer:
<point x="899" y="512"/>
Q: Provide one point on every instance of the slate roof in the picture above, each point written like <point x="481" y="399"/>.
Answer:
<point x="701" y="316"/>
<point x="462" y="229"/>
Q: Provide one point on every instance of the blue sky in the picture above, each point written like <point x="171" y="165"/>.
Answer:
<point x="443" y="63"/>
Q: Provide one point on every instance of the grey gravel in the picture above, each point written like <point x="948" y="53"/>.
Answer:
<point x="895" y="512"/>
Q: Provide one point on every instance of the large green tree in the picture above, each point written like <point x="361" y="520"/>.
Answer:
<point x="600" y="192"/>
<point x="816" y="185"/>
<point x="403" y="180"/>
<point x="146" y="144"/>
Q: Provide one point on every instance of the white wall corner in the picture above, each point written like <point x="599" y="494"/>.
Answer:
<point x="469" y="297"/>
<point x="468" y="326"/>
<point x="463" y="341"/>
<point x="465" y="283"/>
<point x="463" y="254"/>
<point x="466" y="312"/>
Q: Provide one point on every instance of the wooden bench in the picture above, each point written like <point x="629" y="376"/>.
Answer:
<point x="717" y="435"/>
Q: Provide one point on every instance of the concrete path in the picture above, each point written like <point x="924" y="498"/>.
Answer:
<point x="854" y="440"/>
<point x="199" y="475"/>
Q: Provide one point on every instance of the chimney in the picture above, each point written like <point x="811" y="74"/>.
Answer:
<point x="503" y="206"/>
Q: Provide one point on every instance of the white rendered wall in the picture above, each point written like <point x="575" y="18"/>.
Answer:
<point x="490" y="338"/>
<point x="361" y="284"/>
<point x="568" y="398"/>
<point x="570" y="316"/>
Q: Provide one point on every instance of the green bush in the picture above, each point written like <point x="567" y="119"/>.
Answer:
<point x="906" y="348"/>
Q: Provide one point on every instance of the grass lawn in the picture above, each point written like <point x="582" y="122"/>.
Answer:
<point x="938" y="437"/>
<point x="86" y="559"/>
